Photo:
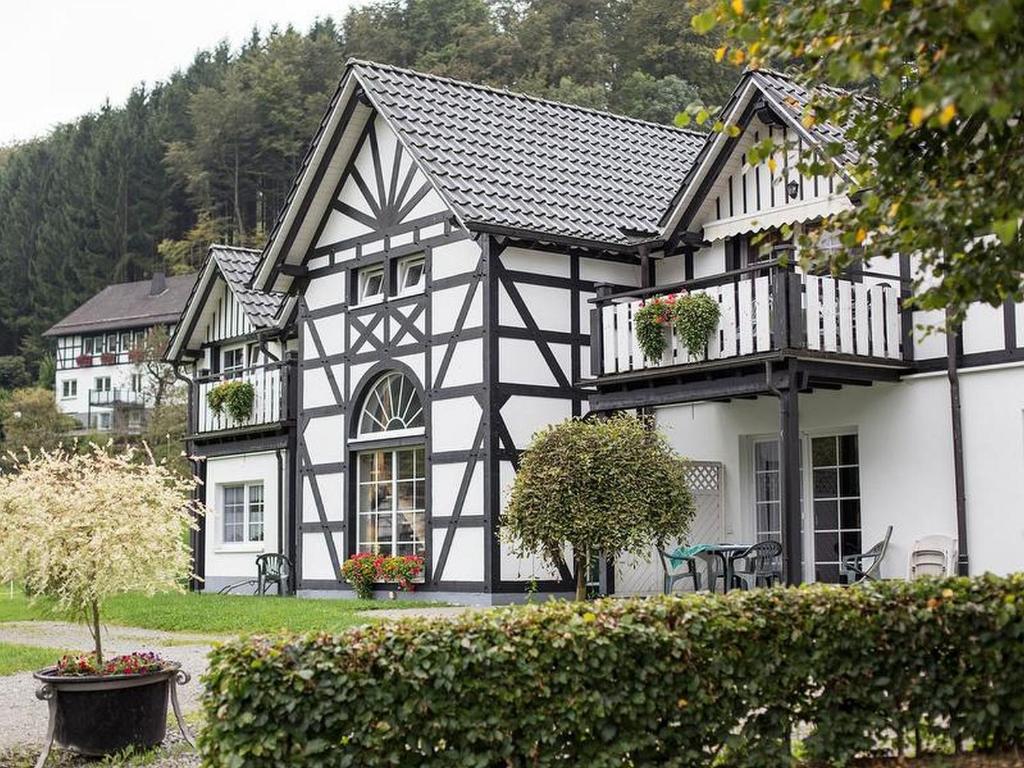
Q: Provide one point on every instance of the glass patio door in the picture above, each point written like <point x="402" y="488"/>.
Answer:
<point x="834" y="490"/>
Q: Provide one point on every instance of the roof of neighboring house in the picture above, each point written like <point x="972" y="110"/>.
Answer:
<point x="510" y="160"/>
<point x="127" y="305"/>
<point x="237" y="265"/>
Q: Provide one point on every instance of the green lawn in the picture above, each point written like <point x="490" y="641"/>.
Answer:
<point x="22" y="658"/>
<point x="217" y="614"/>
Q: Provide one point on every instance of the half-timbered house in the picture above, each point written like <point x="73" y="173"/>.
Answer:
<point x="100" y="378"/>
<point x="457" y="266"/>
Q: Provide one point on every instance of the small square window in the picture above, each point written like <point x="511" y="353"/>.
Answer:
<point x="411" y="274"/>
<point x="371" y="284"/>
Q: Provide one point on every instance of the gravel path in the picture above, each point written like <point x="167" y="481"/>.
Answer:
<point x="23" y="717"/>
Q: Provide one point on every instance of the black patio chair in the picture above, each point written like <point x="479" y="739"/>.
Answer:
<point x="867" y="565"/>
<point x="760" y="565"/>
<point x="271" y="569"/>
<point x="672" y="575"/>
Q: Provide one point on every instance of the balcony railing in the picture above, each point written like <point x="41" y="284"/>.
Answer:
<point x="270" y="385"/>
<point x="763" y="309"/>
<point x="112" y="397"/>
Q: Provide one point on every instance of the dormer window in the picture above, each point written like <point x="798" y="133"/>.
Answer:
<point x="371" y="285"/>
<point x="411" y="274"/>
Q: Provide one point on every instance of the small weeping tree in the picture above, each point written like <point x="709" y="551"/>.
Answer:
<point x="597" y="486"/>
<point x="77" y="529"/>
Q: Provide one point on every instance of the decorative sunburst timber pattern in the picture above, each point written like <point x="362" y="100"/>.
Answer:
<point x="381" y="189"/>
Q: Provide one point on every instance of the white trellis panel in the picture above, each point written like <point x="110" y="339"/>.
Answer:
<point x="645" y="576"/>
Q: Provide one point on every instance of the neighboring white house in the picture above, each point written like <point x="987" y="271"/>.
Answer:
<point x="457" y="267"/>
<point x="99" y="379"/>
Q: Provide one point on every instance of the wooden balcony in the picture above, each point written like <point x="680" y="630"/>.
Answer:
<point x="270" y="409"/>
<point x="768" y="314"/>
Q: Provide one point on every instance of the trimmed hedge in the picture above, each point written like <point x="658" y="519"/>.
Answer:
<point x="678" y="681"/>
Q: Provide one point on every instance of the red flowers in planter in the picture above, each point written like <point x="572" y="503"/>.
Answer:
<point x="137" y="355"/>
<point x="108" y="358"/>
<point x="83" y="361"/>
<point x="84" y="665"/>
<point x="365" y="569"/>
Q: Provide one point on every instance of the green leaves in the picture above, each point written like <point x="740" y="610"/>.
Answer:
<point x="707" y="680"/>
<point x="704" y="22"/>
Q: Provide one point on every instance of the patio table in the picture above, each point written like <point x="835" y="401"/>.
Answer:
<point x="709" y="553"/>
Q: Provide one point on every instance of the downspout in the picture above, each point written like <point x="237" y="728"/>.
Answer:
<point x="953" y="374"/>
<point x="196" y="537"/>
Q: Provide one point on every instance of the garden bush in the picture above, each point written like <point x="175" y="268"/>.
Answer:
<point x="679" y="681"/>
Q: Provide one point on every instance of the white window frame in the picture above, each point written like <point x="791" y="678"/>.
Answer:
<point x="136" y="382"/>
<point x="69" y="389"/>
<point x="419" y="476"/>
<point x="386" y="434"/>
<point x="363" y="279"/>
<point x="247" y="543"/>
<point x="405" y="266"/>
<point x="102" y="383"/>
<point x="232" y="371"/>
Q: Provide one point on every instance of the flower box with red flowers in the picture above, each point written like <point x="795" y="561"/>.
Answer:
<point x="108" y="358"/>
<point x="83" y="361"/>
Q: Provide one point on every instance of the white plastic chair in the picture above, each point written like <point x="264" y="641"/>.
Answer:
<point x="934" y="556"/>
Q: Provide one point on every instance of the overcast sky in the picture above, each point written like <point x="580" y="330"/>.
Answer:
<point x="60" y="58"/>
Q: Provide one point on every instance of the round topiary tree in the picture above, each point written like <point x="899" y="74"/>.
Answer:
<point x="607" y="486"/>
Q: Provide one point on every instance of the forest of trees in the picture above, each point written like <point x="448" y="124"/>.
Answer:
<point x="209" y="154"/>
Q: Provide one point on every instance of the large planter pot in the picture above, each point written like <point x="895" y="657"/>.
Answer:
<point x="101" y="715"/>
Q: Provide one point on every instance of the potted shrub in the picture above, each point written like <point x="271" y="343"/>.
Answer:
<point x="108" y="358"/>
<point x="76" y="530"/>
<point x="235" y="397"/>
<point x="83" y="360"/>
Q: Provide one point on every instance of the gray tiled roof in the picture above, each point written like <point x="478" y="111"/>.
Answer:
<point x="237" y="265"/>
<point x="794" y="97"/>
<point x="508" y="160"/>
<point x="127" y="305"/>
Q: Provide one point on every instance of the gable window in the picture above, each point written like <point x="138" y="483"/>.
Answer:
<point x="232" y="362"/>
<point x="242" y="513"/>
<point x="69" y="388"/>
<point x="411" y="274"/>
<point x="371" y="285"/>
<point x="392" y="405"/>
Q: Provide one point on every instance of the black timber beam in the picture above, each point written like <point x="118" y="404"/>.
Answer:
<point x="687" y="392"/>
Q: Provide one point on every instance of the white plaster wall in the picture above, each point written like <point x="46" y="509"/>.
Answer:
<point x="906" y="458"/>
<point x="239" y="560"/>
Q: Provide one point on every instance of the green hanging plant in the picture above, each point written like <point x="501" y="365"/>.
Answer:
<point x="650" y="322"/>
<point x="696" y="316"/>
<point x="234" y="396"/>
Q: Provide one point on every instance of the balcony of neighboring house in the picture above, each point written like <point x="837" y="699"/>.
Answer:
<point x="777" y="325"/>
<point x="116" y="397"/>
<point x="272" y="388"/>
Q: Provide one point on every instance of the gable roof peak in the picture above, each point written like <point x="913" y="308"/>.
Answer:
<point x="357" y="63"/>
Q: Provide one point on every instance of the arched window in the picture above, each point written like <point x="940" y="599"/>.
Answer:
<point x="391" y="478"/>
<point x="392" y="405"/>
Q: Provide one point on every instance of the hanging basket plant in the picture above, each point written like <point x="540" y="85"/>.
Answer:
<point x="696" y="316"/>
<point x="650" y="324"/>
<point x="233" y="397"/>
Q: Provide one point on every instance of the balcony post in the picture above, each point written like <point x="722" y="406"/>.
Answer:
<point x="787" y="308"/>
<point x="786" y="385"/>
<point x="597" y="329"/>
<point x="290" y="386"/>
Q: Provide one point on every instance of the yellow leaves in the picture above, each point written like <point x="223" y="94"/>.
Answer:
<point x="894" y="209"/>
<point x="772" y="165"/>
<point x="861" y="235"/>
<point x="738" y="7"/>
<point x="808" y="120"/>
<point x="720" y="53"/>
<point x="917" y="116"/>
<point x="682" y="703"/>
<point x="947" y="114"/>
<point x="737" y="57"/>
<point x="886" y="5"/>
